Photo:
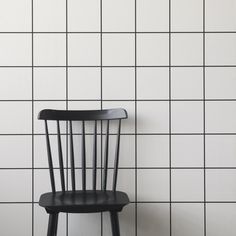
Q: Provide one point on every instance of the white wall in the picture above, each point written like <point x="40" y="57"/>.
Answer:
<point x="171" y="64"/>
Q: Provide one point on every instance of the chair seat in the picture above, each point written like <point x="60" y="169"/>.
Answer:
<point x="83" y="201"/>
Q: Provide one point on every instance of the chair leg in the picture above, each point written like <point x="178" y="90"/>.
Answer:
<point x="52" y="224"/>
<point x="115" y="223"/>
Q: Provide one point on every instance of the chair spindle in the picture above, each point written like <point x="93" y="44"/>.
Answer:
<point x="83" y="157"/>
<point x="116" y="157"/>
<point x="95" y="157"/>
<point x="106" y="158"/>
<point x="60" y="155"/>
<point x="50" y="163"/>
<point x="72" y="159"/>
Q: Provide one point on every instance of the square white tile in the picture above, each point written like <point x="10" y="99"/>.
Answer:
<point x="220" y="49"/>
<point x="42" y="182"/>
<point x="220" y="185"/>
<point x="153" y="177"/>
<point x="89" y="141"/>
<point x="85" y="224"/>
<point x="89" y="181"/>
<point x="113" y="124"/>
<point x="153" y="117"/>
<point x="84" y="83"/>
<point x="40" y="151"/>
<point x="49" y="49"/>
<point x="152" y="49"/>
<point x="220" y="151"/>
<point x="187" y="150"/>
<point x="118" y="16"/>
<point x="127" y="150"/>
<point x="84" y="16"/>
<point x="152" y="16"/>
<point x="16" y="83"/>
<point x="45" y="80"/>
<point x="220" y="83"/>
<point x="118" y="83"/>
<point x="220" y="219"/>
<point x="12" y="213"/>
<point x="15" y="16"/>
<point x="41" y="222"/>
<point x="118" y="50"/>
<point x="186" y="15"/>
<point x="187" y="117"/>
<point x="187" y="185"/>
<point x="16" y="185"/>
<point x="126" y="220"/>
<point x="220" y="15"/>
<point x="125" y="182"/>
<point x="17" y="117"/>
<point x="152" y="83"/>
<point x="128" y="125"/>
<point x="153" y="219"/>
<point x="16" y="50"/>
<point x="186" y="49"/>
<point x="153" y="151"/>
<point x="220" y="117"/>
<point x="186" y="83"/>
<point x="17" y="151"/>
<point x="84" y="50"/>
<point x="187" y="219"/>
<point x="50" y="16"/>
<point x="84" y="105"/>
<point x="39" y="126"/>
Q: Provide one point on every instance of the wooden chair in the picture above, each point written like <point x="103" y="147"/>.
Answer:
<point x="84" y="200"/>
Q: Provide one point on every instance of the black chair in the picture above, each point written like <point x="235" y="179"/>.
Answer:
<point x="85" y="200"/>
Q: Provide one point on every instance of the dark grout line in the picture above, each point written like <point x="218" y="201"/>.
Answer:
<point x="67" y="104"/>
<point x="32" y="115"/>
<point x="129" y="134"/>
<point x="122" y="100"/>
<point x="101" y="100"/>
<point x="135" y="117"/>
<point x="119" y="66"/>
<point x="132" y="168"/>
<point x="118" y="32"/>
<point x="204" y="116"/>
<point x="170" y="118"/>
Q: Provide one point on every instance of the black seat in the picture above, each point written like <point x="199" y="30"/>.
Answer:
<point x="84" y="201"/>
<point x="71" y="200"/>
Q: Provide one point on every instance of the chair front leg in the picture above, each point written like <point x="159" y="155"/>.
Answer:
<point x="52" y="224"/>
<point x="115" y="223"/>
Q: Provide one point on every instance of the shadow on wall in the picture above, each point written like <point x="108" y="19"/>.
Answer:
<point x="127" y="220"/>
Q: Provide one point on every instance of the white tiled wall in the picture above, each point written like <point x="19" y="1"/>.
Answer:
<point x="170" y="63"/>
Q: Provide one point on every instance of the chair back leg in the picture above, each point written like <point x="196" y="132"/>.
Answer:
<point x="115" y="223"/>
<point x="52" y="225"/>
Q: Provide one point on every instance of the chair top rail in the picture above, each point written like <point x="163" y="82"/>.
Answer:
<point x="106" y="114"/>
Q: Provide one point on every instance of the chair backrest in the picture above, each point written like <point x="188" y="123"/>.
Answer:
<point x="70" y="117"/>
